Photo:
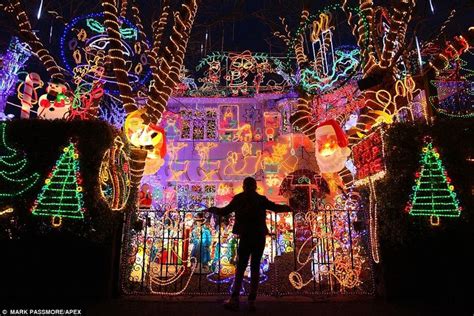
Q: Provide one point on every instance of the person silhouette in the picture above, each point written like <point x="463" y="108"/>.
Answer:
<point x="250" y="225"/>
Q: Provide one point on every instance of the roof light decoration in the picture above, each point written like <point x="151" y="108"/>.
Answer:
<point x="244" y="73"/>
<point x="240" y="67"/>
<point x="330" y="67"/>
<point x="186" y="83"/>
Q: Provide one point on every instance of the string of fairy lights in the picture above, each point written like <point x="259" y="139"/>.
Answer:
<point x="13" y="169"/>
<point x="433" y="194"/>
<point x="116" y="55"/>
<point x="61" y="196"/>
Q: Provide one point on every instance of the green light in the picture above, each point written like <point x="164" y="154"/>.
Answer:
<point x="61" y="195"/>
<point x="125" y="33"/>
<point x="433" y="195"/>
<point x="12" y="167"/>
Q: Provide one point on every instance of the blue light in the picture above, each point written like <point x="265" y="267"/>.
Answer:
<point x="70" y="26"/>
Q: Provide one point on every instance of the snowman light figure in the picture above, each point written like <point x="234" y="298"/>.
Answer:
<point x="55" y="104"/>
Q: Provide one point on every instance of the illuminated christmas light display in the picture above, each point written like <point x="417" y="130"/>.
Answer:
<point x="61" y="196"/>
<point x="83" y="53"/>
<point x="204" y="169"/>
<point x="244" y="73"/>
<point x="433" y="194"/>
<point x="311" y="127"/>
<point x="12" y="61"/>
<point x="26" y="33"/>
<point x="343" y="268"/>
<point x="454" y="98"/>
<point x="13" y="180"/>
<point x="115" y="176"/>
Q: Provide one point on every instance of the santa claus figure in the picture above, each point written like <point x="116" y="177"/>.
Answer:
<point x="144" y="197"/>
<point x="55" y="104"/>
<point x="331" y="154"/>
<point x="331" y="147"/>
<point x="149" y="137"/>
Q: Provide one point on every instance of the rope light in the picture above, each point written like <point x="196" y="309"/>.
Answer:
<point x="37" y="47"/>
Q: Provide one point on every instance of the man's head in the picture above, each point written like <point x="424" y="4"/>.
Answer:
<point x="250" y="185"/>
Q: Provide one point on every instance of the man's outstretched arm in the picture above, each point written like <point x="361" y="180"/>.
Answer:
<point x="223" y="211"/>
<point x="277" y="208"/>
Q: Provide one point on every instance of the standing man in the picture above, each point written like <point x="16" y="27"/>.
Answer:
<point x="250" y="224"/>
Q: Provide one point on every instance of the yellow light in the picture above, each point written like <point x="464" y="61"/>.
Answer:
<point x="8" y="210"/>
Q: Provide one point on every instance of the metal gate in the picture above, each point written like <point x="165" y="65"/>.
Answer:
<point x="321" y="251"/>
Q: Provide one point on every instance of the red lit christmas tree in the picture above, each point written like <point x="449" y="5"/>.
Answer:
<point x="61" y="196"/>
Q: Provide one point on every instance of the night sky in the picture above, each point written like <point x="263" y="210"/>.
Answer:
<point x="237" y="25"/>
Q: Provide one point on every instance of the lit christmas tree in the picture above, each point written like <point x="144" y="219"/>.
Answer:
<point x="13" y="180"/>
<point x="61" y="195"/>
<point x="433" y="195"/>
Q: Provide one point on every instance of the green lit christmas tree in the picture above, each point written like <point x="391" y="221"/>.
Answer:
<point x="61" y="196"/>
<point x="433" y="194"/>
<point x="13" y="178"/>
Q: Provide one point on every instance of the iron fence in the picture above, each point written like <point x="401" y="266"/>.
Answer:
<point x="322" y="251"/>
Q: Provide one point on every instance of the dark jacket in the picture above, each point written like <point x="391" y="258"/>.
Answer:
<point x="250" y="213"/>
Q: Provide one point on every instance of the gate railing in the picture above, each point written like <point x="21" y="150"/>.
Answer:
<point x="323" y="251"/>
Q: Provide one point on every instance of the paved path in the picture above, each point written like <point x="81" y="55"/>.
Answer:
<point x="288" y="306"/>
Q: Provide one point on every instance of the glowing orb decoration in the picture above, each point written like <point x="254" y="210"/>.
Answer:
<point x="149" y="137"/>
<point x="85" y="42"/>
<point x="331" y="147"/>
